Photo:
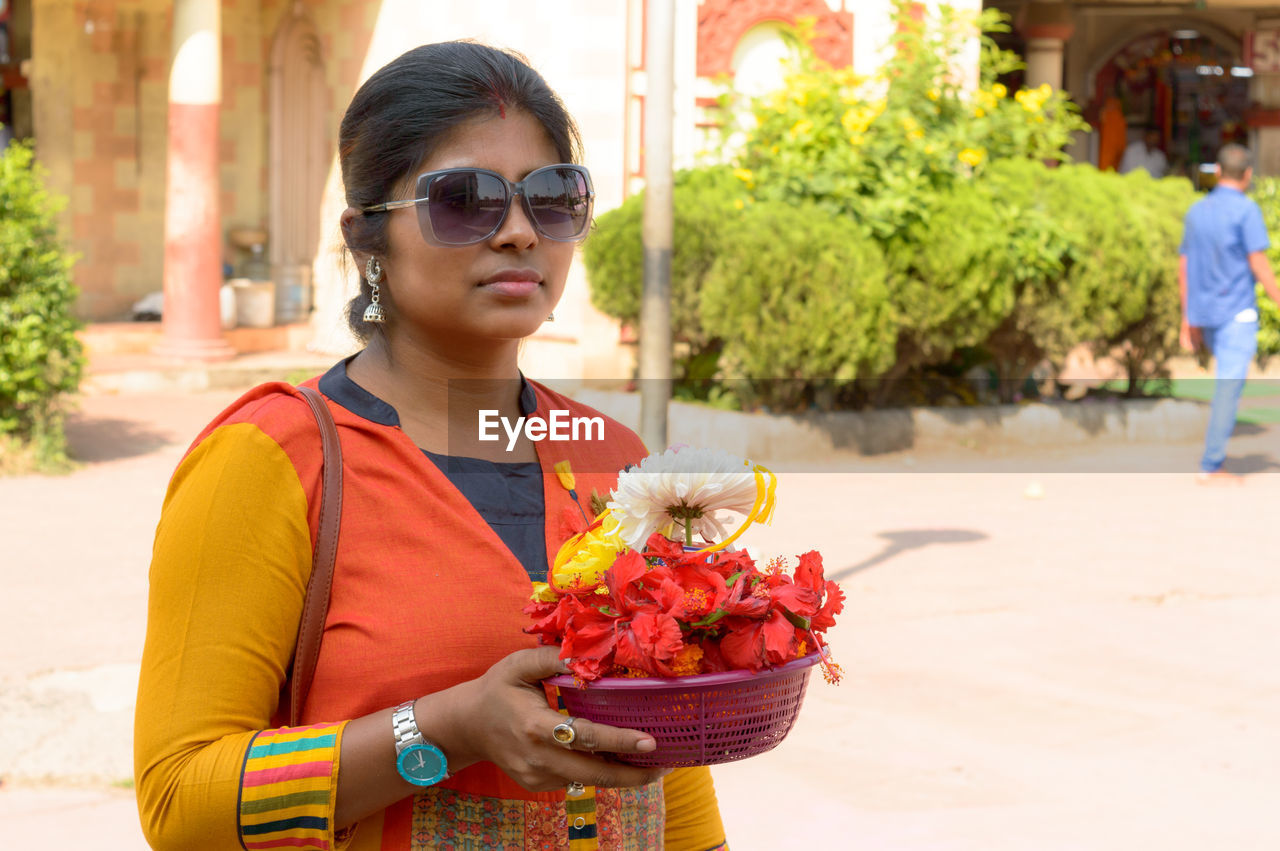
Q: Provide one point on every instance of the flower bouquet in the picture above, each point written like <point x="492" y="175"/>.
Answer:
<point x="667" y="630"/>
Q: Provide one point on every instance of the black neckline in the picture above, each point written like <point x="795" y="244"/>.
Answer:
<point x="339" y="387"/>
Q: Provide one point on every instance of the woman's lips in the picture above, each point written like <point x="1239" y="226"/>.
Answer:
<point x="513" y="282"/>
<point x="512" y="288"/>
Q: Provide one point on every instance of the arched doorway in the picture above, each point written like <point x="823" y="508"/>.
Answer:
<point x="299" y="160"/>
<point x="758" y="57"/>
<point x="1186" y="82"/>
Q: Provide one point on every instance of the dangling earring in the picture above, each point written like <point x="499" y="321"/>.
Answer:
<point x="551" y="317"/>
<point x="373" y="273"/>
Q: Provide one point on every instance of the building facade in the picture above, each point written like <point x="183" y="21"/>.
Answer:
<point x="185" y="133"/>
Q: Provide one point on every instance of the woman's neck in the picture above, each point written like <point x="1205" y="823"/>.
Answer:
<point x="437" y="393"/>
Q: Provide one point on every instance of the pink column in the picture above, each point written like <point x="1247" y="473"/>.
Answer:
<point x="192" y="327"/>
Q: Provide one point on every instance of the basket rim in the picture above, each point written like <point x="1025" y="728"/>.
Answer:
<point x="569" y="681"/>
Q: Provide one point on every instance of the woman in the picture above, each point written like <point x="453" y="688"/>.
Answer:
<point x="426" y="725"/>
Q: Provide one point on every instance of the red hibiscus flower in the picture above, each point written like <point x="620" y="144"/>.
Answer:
<point x="649" y="642"/>
<point x="755" y="644"/>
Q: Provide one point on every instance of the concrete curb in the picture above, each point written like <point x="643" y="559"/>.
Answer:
<point x="805" y="437"/>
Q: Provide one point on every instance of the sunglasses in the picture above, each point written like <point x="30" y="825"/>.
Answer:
<point x="463" y="206"/>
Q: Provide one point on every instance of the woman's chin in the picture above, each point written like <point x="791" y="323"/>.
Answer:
<point x="516" y="326"/>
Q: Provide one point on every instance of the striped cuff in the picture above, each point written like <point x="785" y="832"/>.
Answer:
<point x="288" y="788"/>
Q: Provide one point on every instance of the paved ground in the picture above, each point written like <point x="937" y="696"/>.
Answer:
<point x="1058" y="650"/>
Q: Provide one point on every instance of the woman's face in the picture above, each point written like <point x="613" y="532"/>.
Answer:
<point x="501" y="288"/>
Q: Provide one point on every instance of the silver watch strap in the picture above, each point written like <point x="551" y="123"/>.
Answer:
<point x="405" y="726"/>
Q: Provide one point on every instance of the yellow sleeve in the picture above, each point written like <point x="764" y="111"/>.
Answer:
<point x="693" y="815"/>
<point x="228" y="576"/>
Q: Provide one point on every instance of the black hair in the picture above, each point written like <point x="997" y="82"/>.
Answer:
<point x="1234" y="160"/>
<point x="409" y="107"/>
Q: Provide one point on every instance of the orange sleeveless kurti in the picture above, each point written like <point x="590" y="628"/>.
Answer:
<point x="425" y="595"/>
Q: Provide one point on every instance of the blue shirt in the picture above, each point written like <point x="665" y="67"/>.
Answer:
<point x="1220" y="232"/>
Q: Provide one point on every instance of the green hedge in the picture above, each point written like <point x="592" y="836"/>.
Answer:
<point x="1022" y="262"/>
<point x="798" y="297"/>
<point x="1266" y="192"/>
<point x="40" y="357"/>
<point x="703" y="200"/>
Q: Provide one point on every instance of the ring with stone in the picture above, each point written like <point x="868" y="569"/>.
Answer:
<point x="564" y="733"/>
<point x="575" y="789"/>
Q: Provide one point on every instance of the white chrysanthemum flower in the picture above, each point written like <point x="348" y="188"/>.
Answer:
<point x="685" y="486"/>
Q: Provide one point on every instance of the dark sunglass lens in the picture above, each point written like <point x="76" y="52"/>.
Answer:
<point x="559" y="201"/>
<point x="464" y="206"/>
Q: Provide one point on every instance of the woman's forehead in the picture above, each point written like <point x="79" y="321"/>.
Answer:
<point x="512" y="145"/>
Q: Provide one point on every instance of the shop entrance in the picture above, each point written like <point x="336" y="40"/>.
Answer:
<point x="15" y="50"/>
<point x="1190" y="88"/>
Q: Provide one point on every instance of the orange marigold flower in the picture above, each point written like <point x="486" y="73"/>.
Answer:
<point x="688" y="661"/>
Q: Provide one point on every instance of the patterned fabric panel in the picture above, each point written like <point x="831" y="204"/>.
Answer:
<point x="631" y="818"/>
<point x="609" y="819"/>
<point x="288" y="789"/>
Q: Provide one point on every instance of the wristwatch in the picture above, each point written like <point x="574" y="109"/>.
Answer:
<point x="417" y="760"/>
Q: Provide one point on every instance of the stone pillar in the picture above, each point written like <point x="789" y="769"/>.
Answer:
<point x="192" y="326"/>
<point x="1046" y="28"/>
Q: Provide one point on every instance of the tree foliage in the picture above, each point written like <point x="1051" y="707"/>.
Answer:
<point x="40" y="357"/>
<point x="868" y="229"/>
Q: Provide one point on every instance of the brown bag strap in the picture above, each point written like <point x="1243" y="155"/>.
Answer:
<point x="316" y="606"/>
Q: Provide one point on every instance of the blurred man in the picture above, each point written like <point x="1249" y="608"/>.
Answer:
<point x="1145" y="153"/>
<point x="1223" y="253"/>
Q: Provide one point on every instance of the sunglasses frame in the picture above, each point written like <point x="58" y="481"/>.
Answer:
<point x="512" y="189"/>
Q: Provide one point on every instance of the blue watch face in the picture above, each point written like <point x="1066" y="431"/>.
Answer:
<point x="422" y="765"/>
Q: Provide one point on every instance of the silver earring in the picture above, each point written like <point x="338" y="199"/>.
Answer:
<point x="551" y="317"/>
<point x="373" y="273"/>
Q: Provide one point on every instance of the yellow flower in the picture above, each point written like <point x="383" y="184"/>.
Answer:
<point x="801" y="127"/>
<point x="584" y="558"/>
<point x="999" y="90"/>
<point x="972" y="157"/>
<point x="745" y="175"/>
<point x="543" y="593"/>
<point x="916" y="135"/>
<point x="934" y="94"/>
<point x="739" y="204"/>
<point x="565" y="474"/>
<point x="979" y="112"/>
<point x="1032" y="100"/>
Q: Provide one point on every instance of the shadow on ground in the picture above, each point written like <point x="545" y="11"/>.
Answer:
<point x="94" y="439"/>
<point x="1255" y="462"/>
<point x="900" y="541"/>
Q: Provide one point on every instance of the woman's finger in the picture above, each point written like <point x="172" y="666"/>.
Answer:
<point x="580" y="734"/>
<point x="534" y="665"/>
<point x="596" y="771"/>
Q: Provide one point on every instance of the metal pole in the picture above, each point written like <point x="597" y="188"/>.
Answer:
<point x="655" y="308"/>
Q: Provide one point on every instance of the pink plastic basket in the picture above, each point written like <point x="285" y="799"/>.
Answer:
<point x="700" y="720"/>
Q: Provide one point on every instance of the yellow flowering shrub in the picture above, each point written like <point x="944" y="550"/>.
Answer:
<point x="875" y="147"/>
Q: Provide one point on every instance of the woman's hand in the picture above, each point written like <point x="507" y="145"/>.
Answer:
<point x="503" y="718"/>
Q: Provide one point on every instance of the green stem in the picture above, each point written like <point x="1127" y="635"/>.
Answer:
<point x="688" y="532"/>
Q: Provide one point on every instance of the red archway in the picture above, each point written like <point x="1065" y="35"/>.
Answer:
<point x="722" y="24"/>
